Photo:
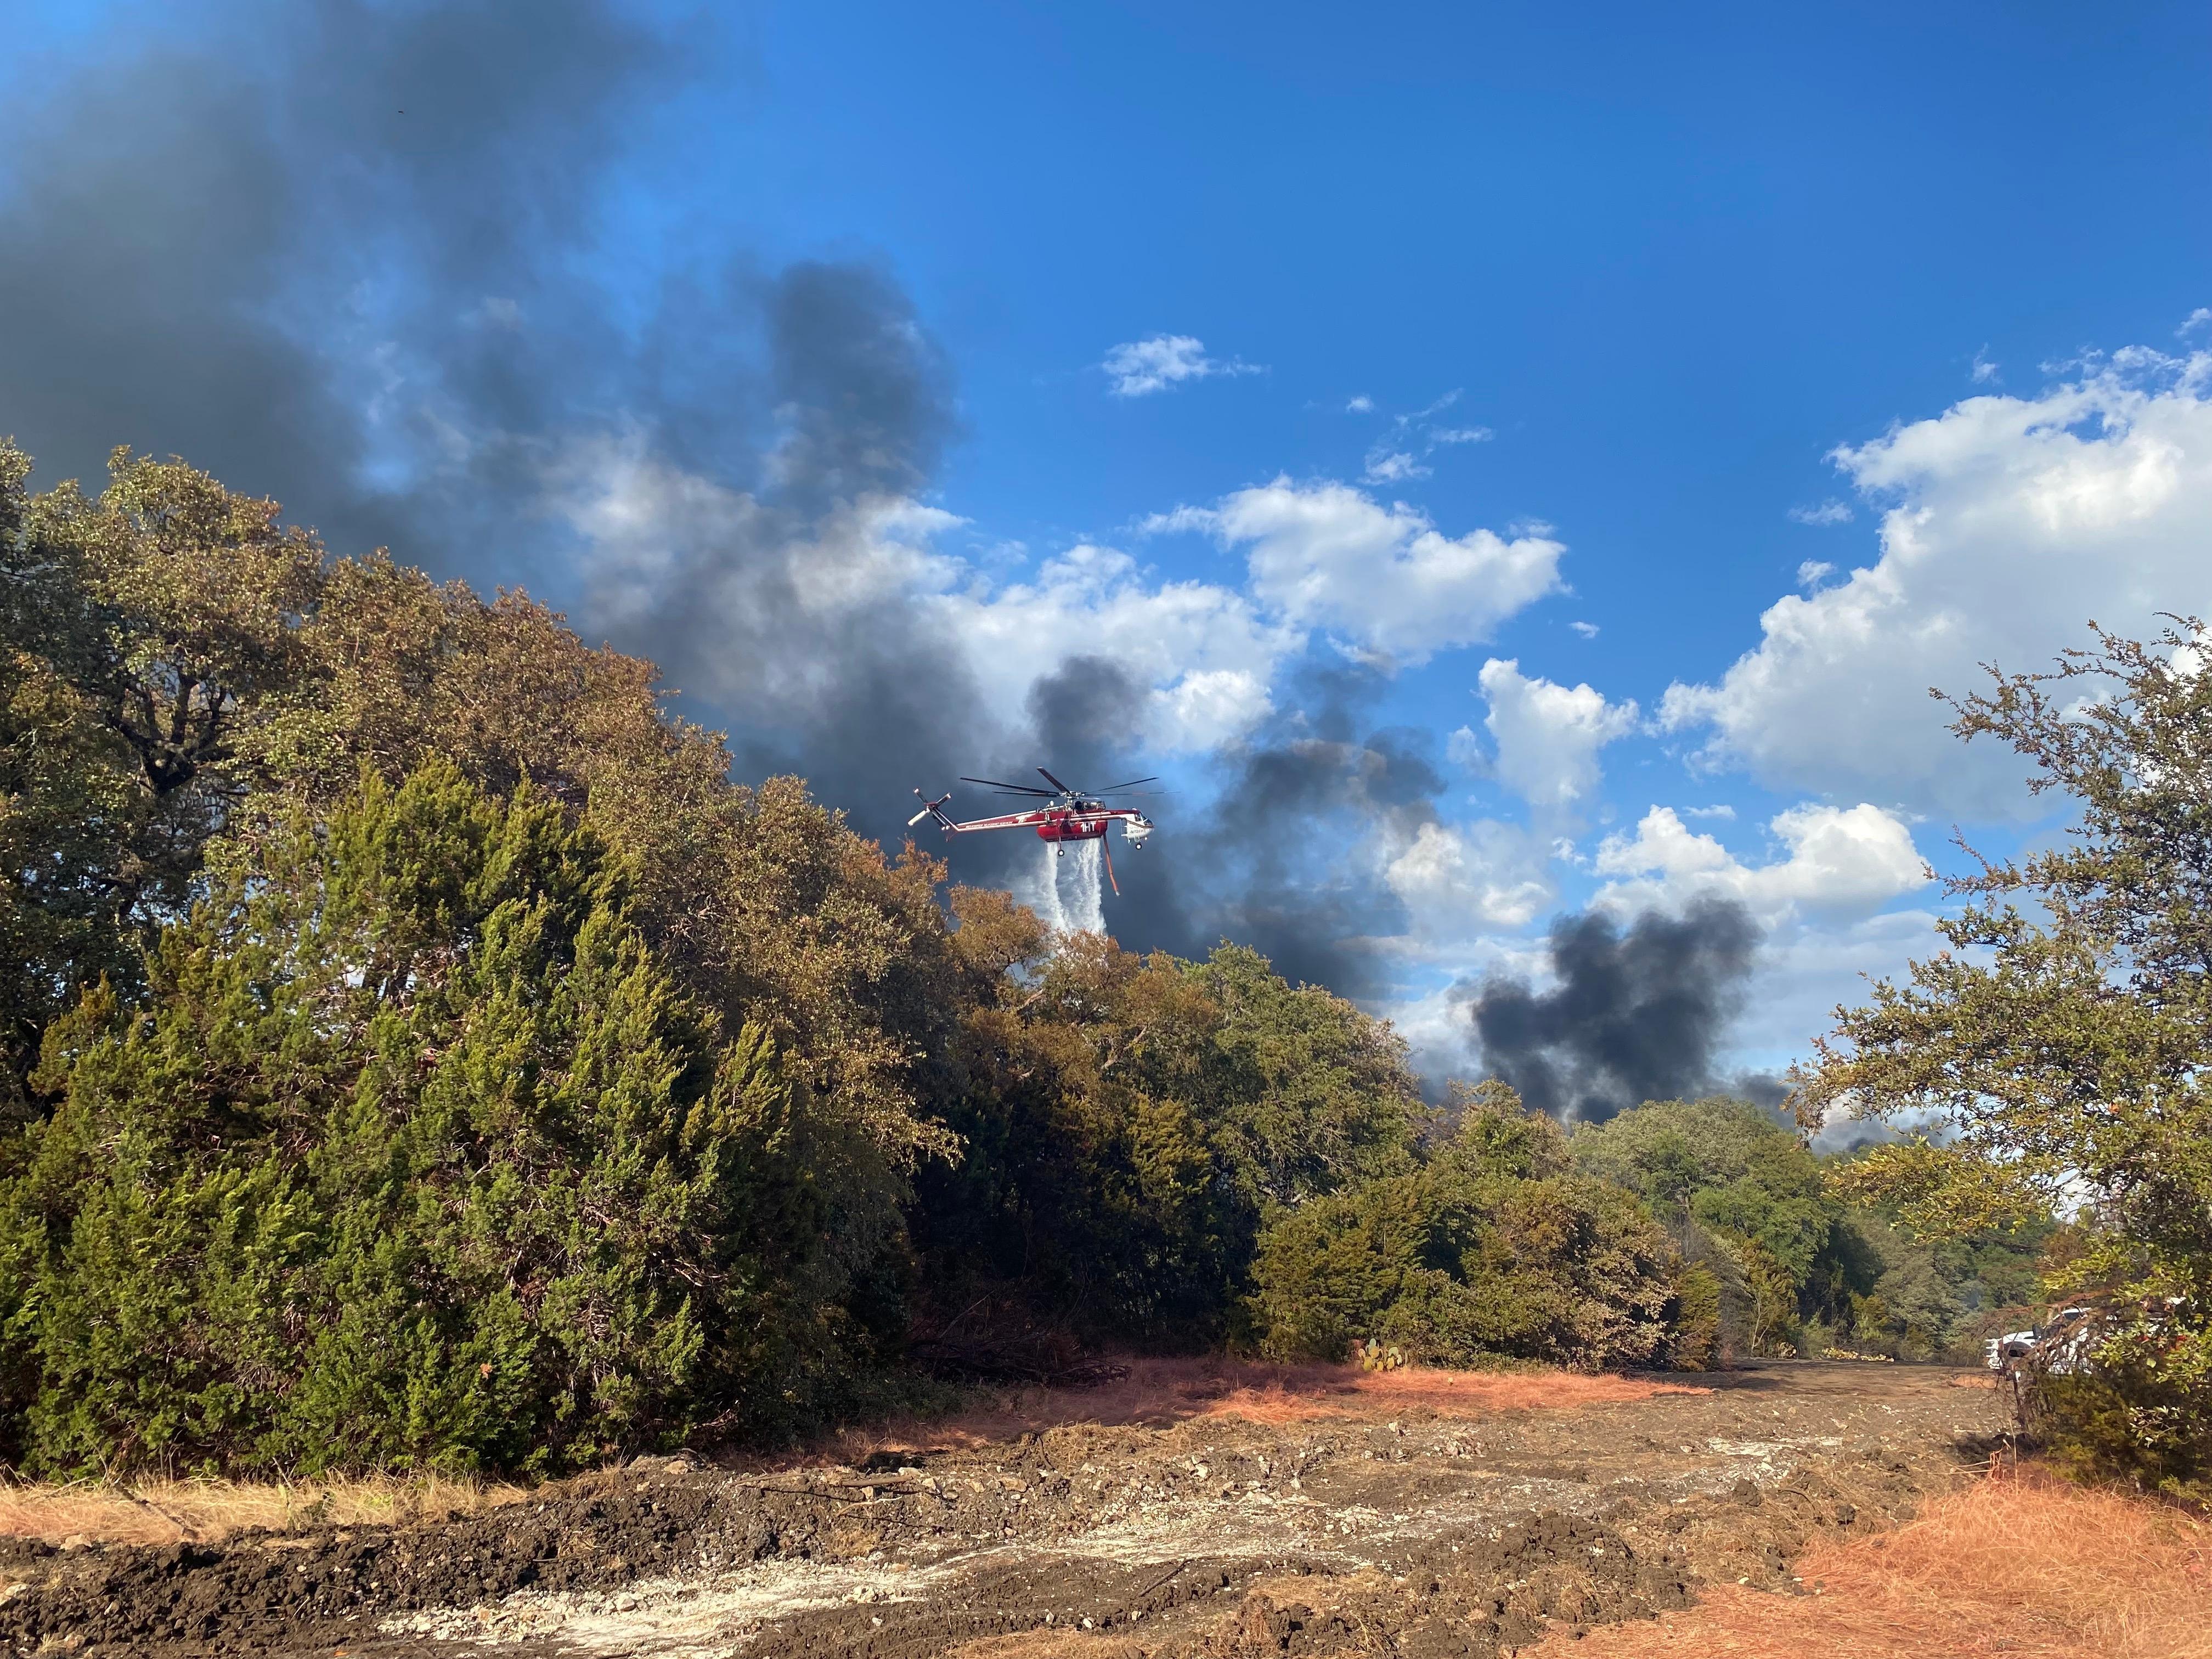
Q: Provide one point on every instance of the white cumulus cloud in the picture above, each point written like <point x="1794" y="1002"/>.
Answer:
<point x="1205" y="654"/>
<point x="2010" y="523"/>
<point x="1549" y="735"/>
<point x="1461" y="881"/>
<point x="1838" y="861"/>
<point x="1329" y="555"/>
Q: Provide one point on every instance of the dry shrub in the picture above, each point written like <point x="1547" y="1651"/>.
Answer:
<point x="2023" y="1564"/>
<point x="1160" y="1392"/>
<point x="207" y="1511"/>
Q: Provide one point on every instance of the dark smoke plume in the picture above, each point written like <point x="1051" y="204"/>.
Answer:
<point x="287" y="244"/>
<point x="1267" y="864"/>
<point x="1260" y="859"/>
<point x="1636" y="1015"/>
<point x="344" y="253"/>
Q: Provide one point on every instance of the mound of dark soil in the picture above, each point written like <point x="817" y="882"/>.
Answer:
<point x="271" y="1593"/>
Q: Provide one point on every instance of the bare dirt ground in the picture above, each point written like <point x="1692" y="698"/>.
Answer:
<point x="1210" y="1513"/>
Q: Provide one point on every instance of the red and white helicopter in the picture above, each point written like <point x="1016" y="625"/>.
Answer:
<point x="1064" y="815"/>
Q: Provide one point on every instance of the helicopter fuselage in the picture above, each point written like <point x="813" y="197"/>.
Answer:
<point x="1077" y="824"/>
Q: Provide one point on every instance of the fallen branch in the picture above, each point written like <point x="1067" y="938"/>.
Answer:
<point x="1159" y="1581"/>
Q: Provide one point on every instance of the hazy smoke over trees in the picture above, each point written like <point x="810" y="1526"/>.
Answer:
<point x="1636" y="1014"/>
<point x="360" y="259"/>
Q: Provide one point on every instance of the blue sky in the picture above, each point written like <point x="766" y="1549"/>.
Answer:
<point x="1594" y="299"/>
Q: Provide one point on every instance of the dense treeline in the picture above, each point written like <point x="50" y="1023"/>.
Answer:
<point x="1492" y="1245"/>
<point x="414" y="1050"/>
<point x="1796" y="1265"/>
<point x="217" y="741"/>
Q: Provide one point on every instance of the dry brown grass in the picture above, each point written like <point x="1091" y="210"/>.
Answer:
<point x="205" y="1511"/>
<point x="1161" y="1393"/>
<point x="1050" y="1643"/>
<point x="1307" y="1394"/>
<point x="2023" y="1564"/>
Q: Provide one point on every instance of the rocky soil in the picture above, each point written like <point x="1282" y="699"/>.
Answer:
<point x="1433" y="1535"/>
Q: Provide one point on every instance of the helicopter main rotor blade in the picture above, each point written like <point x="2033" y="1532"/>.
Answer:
<point x="1014" y="788"/>
<point x="1056" y="783"/>
<point x="1116" y="789"/>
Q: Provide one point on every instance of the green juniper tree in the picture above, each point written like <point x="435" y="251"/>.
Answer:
<point x="410" y="1155"/>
